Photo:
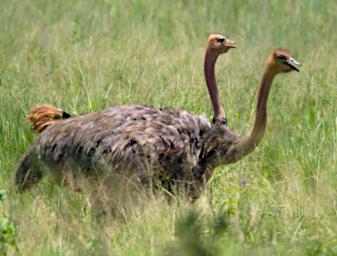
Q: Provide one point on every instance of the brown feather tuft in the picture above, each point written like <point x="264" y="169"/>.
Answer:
<point x="43" y="116"/>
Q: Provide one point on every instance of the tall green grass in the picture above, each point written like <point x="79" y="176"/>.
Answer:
<point x="88" y="55"/>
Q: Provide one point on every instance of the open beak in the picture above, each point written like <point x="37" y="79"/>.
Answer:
<point x="291" y="62"/>
<point x="230" y="43"/>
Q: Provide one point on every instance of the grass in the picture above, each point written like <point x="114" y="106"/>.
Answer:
<point x="86" y="56"/>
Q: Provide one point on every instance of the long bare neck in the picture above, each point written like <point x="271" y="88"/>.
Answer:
<point x="242" y="145"/>
<point x="261" y="109"/>
<point x="209" y="71"/>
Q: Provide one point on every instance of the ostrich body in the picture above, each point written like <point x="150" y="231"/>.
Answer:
<point x="172" y="146"/>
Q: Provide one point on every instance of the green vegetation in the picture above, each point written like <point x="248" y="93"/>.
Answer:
<point x="87" y="55"/>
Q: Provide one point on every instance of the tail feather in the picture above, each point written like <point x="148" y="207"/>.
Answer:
<point x="43" y="116"/>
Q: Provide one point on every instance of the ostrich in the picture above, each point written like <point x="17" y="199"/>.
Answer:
<point x="169" y="147"/>
<point x="42" y="116"/>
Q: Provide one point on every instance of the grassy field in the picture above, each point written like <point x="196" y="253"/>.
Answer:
<point x="88" y="55"/>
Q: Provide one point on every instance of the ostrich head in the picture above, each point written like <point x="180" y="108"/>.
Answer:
<point x="219" y="43"/>
<point x="282" y="61"/>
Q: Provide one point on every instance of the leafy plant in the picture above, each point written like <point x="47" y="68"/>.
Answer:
<point x="7" y="230"/>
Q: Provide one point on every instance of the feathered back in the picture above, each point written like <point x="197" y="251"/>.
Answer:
<point x="42" y="116"/>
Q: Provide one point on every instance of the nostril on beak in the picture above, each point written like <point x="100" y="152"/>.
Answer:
<point x="295" y="62"/>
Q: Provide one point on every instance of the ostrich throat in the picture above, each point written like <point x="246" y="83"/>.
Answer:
<point x="243" y="145"/>
<point x="209" y="70"/>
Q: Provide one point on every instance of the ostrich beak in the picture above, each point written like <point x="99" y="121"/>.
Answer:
<point x="291" y="62"/>
<point x="230" y="43"/>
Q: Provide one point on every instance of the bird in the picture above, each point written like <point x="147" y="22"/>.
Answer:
<point x="165" y="146"/>
<point x="42" y="116"/>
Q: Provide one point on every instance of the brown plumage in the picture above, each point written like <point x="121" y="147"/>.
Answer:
<point x="42" y="116"/>
<point x="170" y="146"/>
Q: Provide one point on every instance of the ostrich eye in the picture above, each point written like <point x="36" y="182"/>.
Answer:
<point x="281" y="57"/>
<point x="221" y="40"/>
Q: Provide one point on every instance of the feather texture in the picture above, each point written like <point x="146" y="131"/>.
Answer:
<point x="148" y="142"/>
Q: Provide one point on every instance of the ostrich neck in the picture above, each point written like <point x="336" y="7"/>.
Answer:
<point x="229" y="150"/>
<point x="261" y="109"/>
<point x="209" y="70"/>
<point x="230" y="147"/>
